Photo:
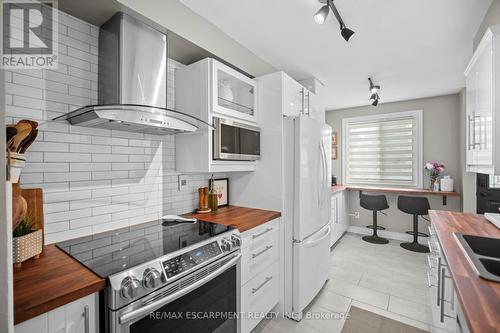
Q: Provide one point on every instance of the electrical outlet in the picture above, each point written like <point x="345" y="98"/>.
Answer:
<point x="354" y="215"/>
<point x="183" y="182"/>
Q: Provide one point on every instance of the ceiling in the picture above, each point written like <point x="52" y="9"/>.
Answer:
<point x="413" y="49"/>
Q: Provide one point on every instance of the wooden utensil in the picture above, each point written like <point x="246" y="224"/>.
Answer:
<point x="28" y="141"/>
<point x="19" y="210"/>
<point x="23" y="130"/>
<point x="11" y="132"/>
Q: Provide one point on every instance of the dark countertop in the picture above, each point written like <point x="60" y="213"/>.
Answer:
<point x="53" y="280"/>
<point x="479" y="298"/>
<point x="241" y="218"/>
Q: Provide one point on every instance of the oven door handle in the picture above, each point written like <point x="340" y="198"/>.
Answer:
<point x="127" y="317"/>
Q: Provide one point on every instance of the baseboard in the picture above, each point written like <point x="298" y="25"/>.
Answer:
<point x="399" y="236"/>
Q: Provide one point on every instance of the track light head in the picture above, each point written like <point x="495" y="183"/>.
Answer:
<point x="374" y="97"/>
<point x="346" y="33"/>
<point x="322" y="14"/>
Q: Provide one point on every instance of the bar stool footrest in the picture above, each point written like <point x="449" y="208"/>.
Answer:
<point x="421" y="234"/>
<point x="378" y="227"/>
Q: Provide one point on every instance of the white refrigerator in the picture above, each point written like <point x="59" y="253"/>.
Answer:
<point x="307" y="172"/>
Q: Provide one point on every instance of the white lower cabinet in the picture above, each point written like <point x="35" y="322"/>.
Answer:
<point x="259" y="273"/>
<point x="79" y="316"/>
<point x="443" y="299"/>
<point x="339" y="221"/>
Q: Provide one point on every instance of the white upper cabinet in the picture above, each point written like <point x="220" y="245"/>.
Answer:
<point x="293" y="97"/>
<point x="207" y="89"/>
<point x="299" y="100"/>
<point x="234" y="94"/>
<point x="483" y="106"/>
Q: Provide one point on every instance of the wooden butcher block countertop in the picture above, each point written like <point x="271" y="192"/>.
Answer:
<point x="53" y="280"/>
<point x="479" y="298"/>
<point x="241" y="218"/>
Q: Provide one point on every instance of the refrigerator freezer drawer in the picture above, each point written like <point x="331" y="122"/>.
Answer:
<point x="311" y="266"/>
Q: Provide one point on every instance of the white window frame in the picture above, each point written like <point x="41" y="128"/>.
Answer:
<point x="418" y="115"/>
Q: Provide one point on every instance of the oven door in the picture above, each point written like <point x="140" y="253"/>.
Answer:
<point x="206" y="301"/>
<point x="235" y="141"/>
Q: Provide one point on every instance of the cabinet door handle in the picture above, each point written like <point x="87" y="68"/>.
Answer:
<point x="86" y="318"/>
<point x="439" y="286"/>
<point x="469" y="141"/>
<point x="442" y="294"/>
<point x="262" y="233"/>
<point x="255" y="255"/>
<point x="254" y="290"/>
<point x="302" y="100"/>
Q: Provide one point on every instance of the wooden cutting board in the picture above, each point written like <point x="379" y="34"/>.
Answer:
<point x="34" y="199"/>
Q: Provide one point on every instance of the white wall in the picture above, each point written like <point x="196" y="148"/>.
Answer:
<point x="6" y="288"/>
<point x="441" y="143"/>
<point x="178" y="18"/>
<point x="93" y="179"/>
<point x="492" y="17"/>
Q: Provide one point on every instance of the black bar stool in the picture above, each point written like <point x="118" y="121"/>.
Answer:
<point x="374" y="203"/>
<point x="416" y="206"/>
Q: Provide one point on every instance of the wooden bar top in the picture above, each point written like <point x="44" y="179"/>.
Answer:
<point x="479" y="298"/>
<point x="338" y="188"/>
<point x="53" y="280"/>
<point x="238" y="217"/>
<point x="400" y="190"/>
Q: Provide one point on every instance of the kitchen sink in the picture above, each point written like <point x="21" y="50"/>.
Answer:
<point x="483" y="254"/>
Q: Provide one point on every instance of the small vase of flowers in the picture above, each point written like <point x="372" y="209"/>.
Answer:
<point x="435" y="169"/>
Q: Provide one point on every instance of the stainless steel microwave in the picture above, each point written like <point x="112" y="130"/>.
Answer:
<point x="235" y="141"/>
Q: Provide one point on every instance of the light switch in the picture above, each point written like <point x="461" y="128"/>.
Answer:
<point x="183" y="182"/>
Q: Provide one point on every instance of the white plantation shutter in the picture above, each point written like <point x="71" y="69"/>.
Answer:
<point x="383" y="150"/>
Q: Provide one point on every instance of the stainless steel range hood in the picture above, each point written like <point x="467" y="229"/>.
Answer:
<point x="132" y="82"/>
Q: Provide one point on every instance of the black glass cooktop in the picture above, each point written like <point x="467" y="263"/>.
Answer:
<point x="115" y="251"/>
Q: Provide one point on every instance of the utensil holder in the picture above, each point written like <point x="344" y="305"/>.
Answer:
<point x="16" y="163"/>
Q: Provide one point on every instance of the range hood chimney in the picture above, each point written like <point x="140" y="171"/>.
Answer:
<point x="132" y="82"/>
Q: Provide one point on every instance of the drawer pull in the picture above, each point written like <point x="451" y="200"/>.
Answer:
<point x="254" y="290"/>
<point x="255" y="255"/>
<point x="262" y="233"/>
<point x="430" y="258"/>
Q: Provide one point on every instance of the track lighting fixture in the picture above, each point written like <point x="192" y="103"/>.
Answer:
<point x="322" y="14"/>
<point x="374" y="98"/>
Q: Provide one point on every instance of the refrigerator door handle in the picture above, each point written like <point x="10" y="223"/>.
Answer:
<point x="325" y="168"/>
<point x="320" y="176"/>
<point x="313" y="241"/>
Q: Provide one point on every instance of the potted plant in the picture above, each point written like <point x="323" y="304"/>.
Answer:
<point x="27" y="241"/>
<point x="435" y="169"/>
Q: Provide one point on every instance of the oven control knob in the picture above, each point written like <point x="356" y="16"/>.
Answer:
<point x="130" y="287"/>
<point x="236" y="240"/>
<point x="226" y="245"/>
<point x="151" y="278"/>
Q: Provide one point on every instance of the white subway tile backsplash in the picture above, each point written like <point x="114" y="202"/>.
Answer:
<point x="22" y="90"/>
<point x="94" y="180"/>
<point x="89" y="148"/>
<point x="66" y="177"/>
<point x="66" y="196"/>
<point x="67" y="157"/>
<point x="109" y="158"/>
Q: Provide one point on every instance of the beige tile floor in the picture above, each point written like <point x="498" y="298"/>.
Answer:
<point x="384" y="279"/>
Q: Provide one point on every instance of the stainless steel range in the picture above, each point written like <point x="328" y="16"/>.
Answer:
<point x="165" y="277"/>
